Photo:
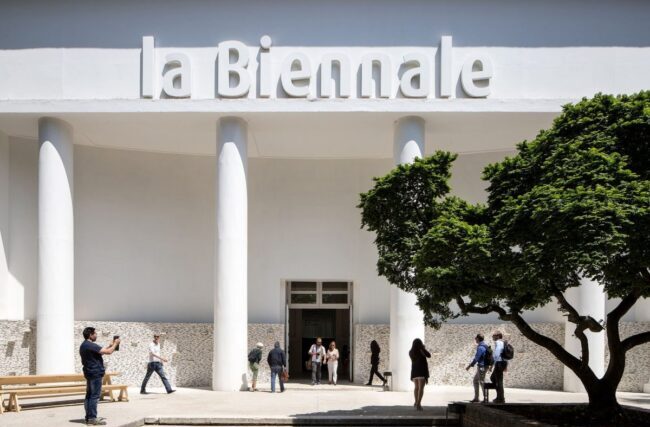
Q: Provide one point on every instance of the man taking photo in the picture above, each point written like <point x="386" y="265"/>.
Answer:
<point x="93" y="368"/>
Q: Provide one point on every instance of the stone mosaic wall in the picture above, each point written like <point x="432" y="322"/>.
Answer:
<point x="533" y="367"/>
<point x="453" y="347"/>
<point x="17" y="343"/>
<point x="363" y="336"/>
<point x="188" y="346"/>
<point x="267" y="334"/>
<point x="637" y="366"/>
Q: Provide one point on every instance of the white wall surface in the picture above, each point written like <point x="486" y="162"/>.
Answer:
<point x="519" y="73"/>
<point x="144" y="226"/>
<point x="23" y="228"/>
<point x="5" y="301"/>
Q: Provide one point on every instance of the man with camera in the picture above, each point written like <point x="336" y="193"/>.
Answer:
<point x="93" y="368"/>
<point x="155" y="364"/>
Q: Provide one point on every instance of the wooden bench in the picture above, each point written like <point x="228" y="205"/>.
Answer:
<point x="33" y="386"/>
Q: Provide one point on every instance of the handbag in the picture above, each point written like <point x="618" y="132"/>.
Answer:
<point x="308" y="365"/>
<point x="285" y="375"/>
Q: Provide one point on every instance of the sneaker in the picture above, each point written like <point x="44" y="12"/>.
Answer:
<point x="144" y="392"/>
<point x="499" y="401"/>
<point x="474" y="401"/>
<point x="173" y="391"/>
<point x="96" y="422"/>
<point x="368" y="383"/>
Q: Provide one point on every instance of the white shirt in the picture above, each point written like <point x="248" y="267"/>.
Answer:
<point x="320" y="353"/>
<point x="154" y="349"/>
<point x="498" y="349"/>
<point x="332" y="355"/>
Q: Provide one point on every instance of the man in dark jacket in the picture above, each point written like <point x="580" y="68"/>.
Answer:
<point x="277" y="362"/>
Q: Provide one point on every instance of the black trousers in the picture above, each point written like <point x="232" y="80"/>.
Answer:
<point x="374" y="369"/>
<point x="497" y="378"/>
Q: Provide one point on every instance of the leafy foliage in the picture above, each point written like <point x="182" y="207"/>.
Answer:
<point x="574" y="202"/>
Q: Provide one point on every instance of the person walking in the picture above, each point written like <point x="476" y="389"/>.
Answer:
<point x="332" y="362"/>
<point x="500" y="366"/>
<point x="254" y="359"/>
<point x="481" y="366"/>
<point x="374" y="363"/>
<point x="278" y="363"/>
<point x="317" y="353"/>
<point x="419" y="370"/>
<point x="93" y="369"/>
<point x="155" y="364"/>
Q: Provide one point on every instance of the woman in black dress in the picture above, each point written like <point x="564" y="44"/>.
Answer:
<point x="374" y="362"/>
<point x="419" y="370"/>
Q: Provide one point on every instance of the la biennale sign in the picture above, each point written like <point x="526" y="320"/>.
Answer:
<point x="241" y="71"/>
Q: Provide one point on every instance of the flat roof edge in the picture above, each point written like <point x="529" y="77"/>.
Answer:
<point x="242" y="106"/>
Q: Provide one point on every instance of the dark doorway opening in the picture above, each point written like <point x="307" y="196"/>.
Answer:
<point x="305" y="325"/>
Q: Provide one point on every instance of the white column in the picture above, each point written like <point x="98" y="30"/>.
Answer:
<point x="229" y="367"/>
<point x="589" y="299"/>
<point x="406" y="320"/>
<point x="55" y="309"/>
<point x="6" y="302"/>
<point x="642" y="314"/>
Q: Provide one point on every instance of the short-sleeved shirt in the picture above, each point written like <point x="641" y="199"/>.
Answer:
<point x="154" y="349"/>
<point x="320" y="353"/>
<point x="91" y="359"/>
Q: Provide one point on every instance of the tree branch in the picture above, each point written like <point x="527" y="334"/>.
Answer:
<point x="630" y="342"/>
<point x="582" y="323"/>
<point x="617" y="350"/>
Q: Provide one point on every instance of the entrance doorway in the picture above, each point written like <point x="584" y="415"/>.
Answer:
<point x="318" y="309"/>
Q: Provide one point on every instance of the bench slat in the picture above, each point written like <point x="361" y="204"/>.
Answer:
<point x="44" y="379"/>
<point x="44" y="391"/>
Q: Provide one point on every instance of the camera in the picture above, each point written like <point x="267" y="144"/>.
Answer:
<point x="117" y="348"/>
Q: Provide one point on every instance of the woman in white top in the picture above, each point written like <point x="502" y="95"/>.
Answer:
<point x="332" y="362"/>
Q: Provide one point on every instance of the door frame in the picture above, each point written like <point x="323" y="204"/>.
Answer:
<point x="286" y="283"/>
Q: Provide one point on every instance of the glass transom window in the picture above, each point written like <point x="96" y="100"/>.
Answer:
<point x="319" y="294"/>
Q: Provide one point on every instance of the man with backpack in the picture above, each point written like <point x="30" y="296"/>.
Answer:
<point x="482" y="359"/>
<point x="497" y="373"/>
<point x="254" y="359"/>
<point x="502" y="353"/>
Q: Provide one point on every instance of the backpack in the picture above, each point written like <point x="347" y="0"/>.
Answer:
<point x="508" y="351"/>
<point x="488" y="357"/>
<point x="252" y="356"/>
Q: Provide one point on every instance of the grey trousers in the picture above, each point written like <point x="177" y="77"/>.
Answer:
<point x="479" y="379"/>
<point x="315" y="372"/>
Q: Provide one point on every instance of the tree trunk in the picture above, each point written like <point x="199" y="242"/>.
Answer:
<point x="603" y="407"/>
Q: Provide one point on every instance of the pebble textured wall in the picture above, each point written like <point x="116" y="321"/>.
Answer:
<point x="363" y="336"/>
<point x="189" y="348"/>
<point x="637" y="363"/>
<point x="534" y="367"/>
<point x="452" y="348"/>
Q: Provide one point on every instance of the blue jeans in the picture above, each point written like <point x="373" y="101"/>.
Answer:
<point x="93" y="393"/>
<point x="158" y="368"/>
<point x="276" y="371"/>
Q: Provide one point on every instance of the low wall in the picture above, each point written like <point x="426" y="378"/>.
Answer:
<point x="637" y="362"/>
<point x="452" y="348"/>
<point x="188" y="346"/>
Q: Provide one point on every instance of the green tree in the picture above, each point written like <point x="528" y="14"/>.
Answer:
<point x="574" y="202"/>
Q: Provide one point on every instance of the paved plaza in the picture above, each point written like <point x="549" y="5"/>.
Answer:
<point x="300" y="400"/>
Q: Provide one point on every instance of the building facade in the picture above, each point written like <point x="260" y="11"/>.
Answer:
<point x="194" y="168"/>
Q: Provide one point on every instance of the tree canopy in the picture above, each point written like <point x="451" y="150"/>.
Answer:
<point x="574" y="202"/>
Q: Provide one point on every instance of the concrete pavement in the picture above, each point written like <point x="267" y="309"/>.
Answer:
<point x="300" y="400"/>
